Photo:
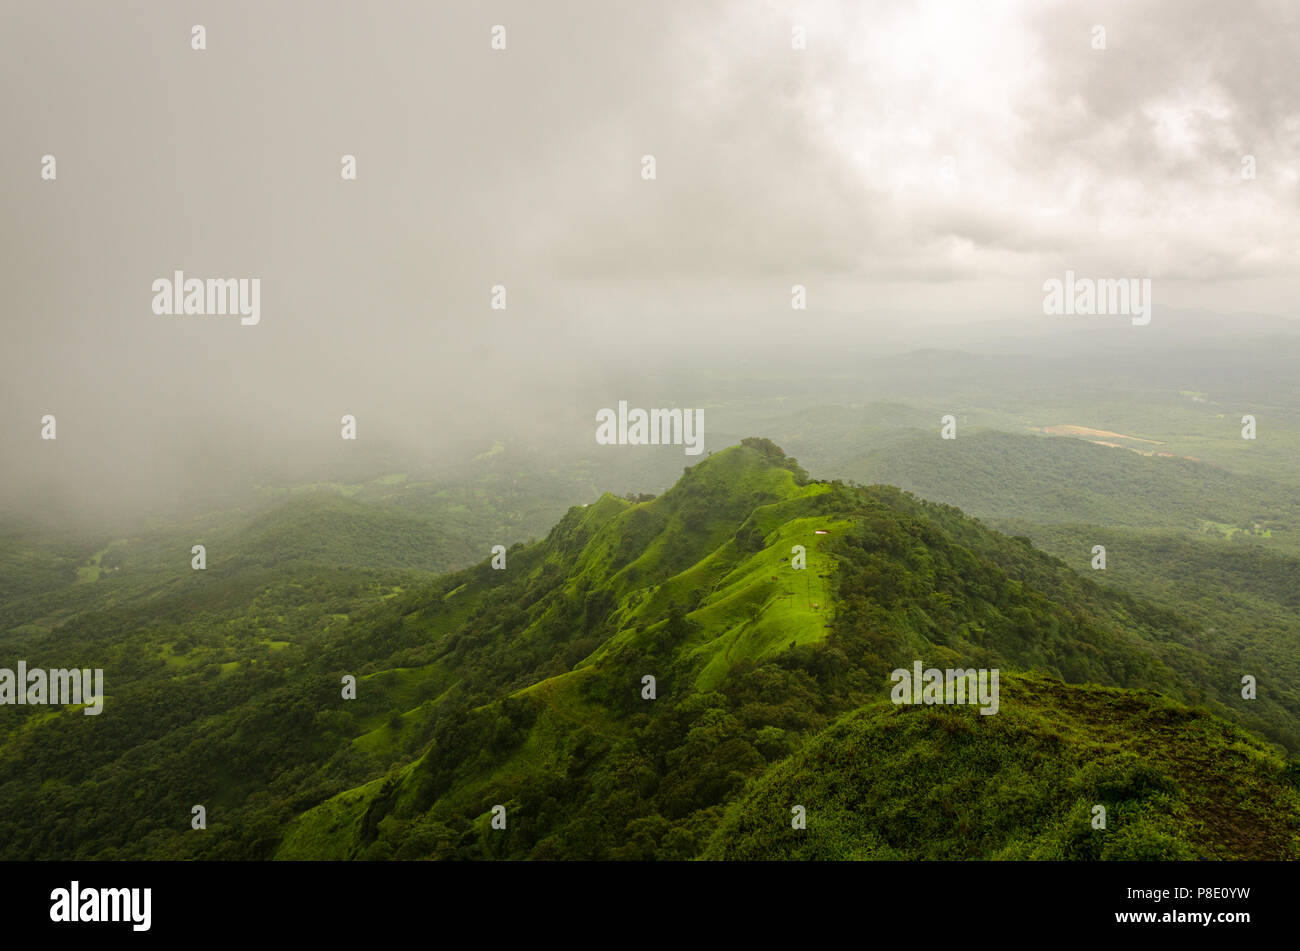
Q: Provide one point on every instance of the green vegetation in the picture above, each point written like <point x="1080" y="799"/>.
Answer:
<point x="526" y="687"/>
<point x="590" y="770"/>
<point x="914" y="782"/>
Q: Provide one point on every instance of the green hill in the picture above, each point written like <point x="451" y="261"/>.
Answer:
<point x="750" y="656"/>
<point x="911" y="782"/>
<point x="526" y="686"/>
<point x="1215" y="547"/>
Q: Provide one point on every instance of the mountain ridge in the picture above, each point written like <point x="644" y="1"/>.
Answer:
<point x="899" y="578"/>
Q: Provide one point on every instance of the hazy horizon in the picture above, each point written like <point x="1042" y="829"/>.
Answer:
<point x="921" y="170"/>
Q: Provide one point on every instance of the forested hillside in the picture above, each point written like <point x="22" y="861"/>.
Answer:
<point x="766" y="606"/>
<point x="746" y="665"/>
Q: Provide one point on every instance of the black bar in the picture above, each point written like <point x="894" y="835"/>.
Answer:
<point x="624" y="901"/>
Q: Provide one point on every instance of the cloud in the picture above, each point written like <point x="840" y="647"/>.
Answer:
<point x="947" y="157"/>
<point x="830" y="162"/>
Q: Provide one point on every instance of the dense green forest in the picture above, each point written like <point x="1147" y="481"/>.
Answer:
<point x="524" y="687"/>
<point x="1175" y="784"/>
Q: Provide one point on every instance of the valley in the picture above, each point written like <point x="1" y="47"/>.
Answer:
<point x="524" y="688"/>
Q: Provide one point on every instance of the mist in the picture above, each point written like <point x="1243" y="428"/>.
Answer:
<point x="920" y="170"/>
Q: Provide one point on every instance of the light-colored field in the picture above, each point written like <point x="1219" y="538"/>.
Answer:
<point x="1071" y="430"/>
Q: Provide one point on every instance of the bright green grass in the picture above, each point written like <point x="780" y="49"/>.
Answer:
<point x="93" y="571"/>
<point x="398" y="688"/>
<point x="561" y="710"/>
<point x="751" y="616"/>
<point x="745" y="614"/>
<point x="328" y="832"/>
<point x="181" y="661"/>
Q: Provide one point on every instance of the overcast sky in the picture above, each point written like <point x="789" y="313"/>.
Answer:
<point x="938" y="158"/>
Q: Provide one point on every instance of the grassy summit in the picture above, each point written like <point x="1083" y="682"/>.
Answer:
<point x="527" y="688"/>
<point x="753" y="661"/>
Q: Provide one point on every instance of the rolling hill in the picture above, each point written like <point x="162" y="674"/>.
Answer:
<point x="548" y="718"/>
<point x="768" y="607"/>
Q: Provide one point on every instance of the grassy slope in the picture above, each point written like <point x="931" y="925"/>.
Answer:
<point x="933" y="782"/>
<point x="742" y="608"/>
<point x="691" y="526"/>
<point x="559" y="621"/>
